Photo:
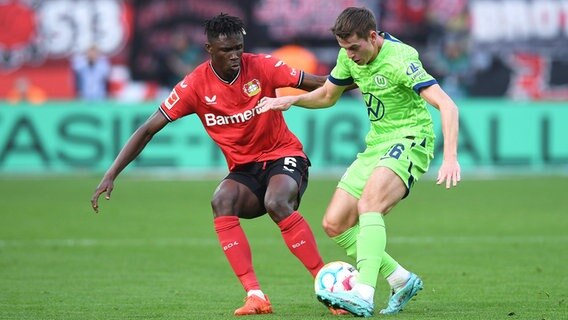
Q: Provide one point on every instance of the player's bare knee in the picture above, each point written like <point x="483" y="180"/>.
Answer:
<point x="367" y="206"/>
<point x="331" y="228"/>
<point x="222" y="205"/>
<point x="278" y="208"/>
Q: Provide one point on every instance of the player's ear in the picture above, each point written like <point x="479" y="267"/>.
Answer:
<point x="208" y="47"/>
<point x="373" y="35"/>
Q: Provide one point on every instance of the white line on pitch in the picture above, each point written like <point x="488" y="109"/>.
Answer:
<point x="164" y="242"/>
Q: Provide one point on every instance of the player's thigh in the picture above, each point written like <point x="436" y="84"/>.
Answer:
<point x="383" y="191"/>
<point x="400" y="164"/>
<point x="287" y="181"/>
<point x="341" y="213"/>
<point x="355" y="177"/>
<point x="234" y="197"/>
<point x="281" y="197"/>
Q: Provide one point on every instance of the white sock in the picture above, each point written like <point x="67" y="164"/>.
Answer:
<point x="365" y="291"/>
<point x="398" y="278"/>
<point x="257" y="293"/>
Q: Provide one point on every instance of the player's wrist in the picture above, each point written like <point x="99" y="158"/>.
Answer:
<point x="110" y="174"/>
<point x="294" y="100"/>
<point x="450" y="156"/>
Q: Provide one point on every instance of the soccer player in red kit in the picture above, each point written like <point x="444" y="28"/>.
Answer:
<point x="268" y="171"/>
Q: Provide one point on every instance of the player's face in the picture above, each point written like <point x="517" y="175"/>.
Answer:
<point x="361" y="51"/>
<point x="226" y="53"/>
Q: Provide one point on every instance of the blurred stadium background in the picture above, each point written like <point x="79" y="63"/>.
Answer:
<point x="505" y="63"/>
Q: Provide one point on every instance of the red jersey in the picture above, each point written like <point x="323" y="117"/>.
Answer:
<point x="228" y="110"/>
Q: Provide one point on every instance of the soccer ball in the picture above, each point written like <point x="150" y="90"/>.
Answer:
<point x="336" y="276"/>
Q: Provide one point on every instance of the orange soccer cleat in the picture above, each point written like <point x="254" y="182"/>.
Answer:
<point x="254" y="305"/>
<point x="338" y="312"/>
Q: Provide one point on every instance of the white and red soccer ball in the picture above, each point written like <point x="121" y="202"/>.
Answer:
<point x="336" y="276"/>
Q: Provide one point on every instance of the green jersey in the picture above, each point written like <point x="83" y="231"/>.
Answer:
<point x="390" y="85"/>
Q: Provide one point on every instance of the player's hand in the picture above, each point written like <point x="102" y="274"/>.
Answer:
<point x="450" y="173"/>
<point x="281" y="104"/>
<point x="105" y="186"/>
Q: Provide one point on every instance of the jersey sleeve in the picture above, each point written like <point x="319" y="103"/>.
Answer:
<point x="341" y="74"/>
<point x="180" y="101"/>
<point x="280" y="74"/>
<point x="411" y="73"/>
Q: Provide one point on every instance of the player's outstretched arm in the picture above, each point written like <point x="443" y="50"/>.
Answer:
<point x="450" y="171"/>
<point x="323" y="97"/>
<point x="129" y="152"/>
<point x="311" y="82"/>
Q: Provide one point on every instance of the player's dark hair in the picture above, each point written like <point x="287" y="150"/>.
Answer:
<point x="223" y="24"/>
<point x="359" y="21"/>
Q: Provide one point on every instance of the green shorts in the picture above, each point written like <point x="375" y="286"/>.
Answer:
<point x="408" y="157"/>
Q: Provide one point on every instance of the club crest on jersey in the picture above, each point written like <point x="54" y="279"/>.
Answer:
<point x="252" y="88"/>
<point x="380" y="81"/>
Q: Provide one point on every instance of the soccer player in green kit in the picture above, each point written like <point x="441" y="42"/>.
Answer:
<point x="400" y="146"/>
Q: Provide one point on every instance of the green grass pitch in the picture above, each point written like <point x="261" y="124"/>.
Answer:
<point x="489" y="249"/>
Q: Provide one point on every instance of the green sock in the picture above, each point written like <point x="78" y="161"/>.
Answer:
<point x="348" y="241"/>
<point x="388" y="265"/>
<point x="371" y="245"/>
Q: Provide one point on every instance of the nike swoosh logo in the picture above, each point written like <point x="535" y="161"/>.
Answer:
<point x="183" y="84"/>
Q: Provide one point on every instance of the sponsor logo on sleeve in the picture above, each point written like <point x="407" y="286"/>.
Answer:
<point x="412" y="68"/>
<point x="172" y="99"/>
<point x="414" y="71"/>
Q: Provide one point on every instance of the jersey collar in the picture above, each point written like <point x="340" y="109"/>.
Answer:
<point x="223" y="80"/>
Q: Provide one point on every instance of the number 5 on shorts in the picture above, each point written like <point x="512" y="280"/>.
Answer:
<point x="289" y="162"/>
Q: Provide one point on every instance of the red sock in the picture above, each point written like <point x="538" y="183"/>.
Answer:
<point x="237" y="250"/>
<point x="301" y="242"/>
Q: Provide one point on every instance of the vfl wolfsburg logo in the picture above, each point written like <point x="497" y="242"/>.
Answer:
<point x="380" y="81"/>
<point x="375" y="107"/>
